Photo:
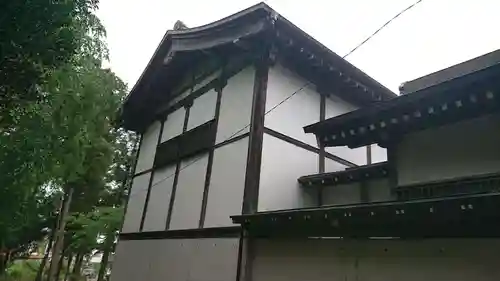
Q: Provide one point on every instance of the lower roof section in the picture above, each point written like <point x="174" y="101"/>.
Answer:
<point x="461" y="216"/>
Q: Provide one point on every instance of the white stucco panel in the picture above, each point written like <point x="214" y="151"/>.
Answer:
<point x="458" y="150"/>
<point x="302" y="109"/>
<point x="205" y="259"/>
<point x="148" y="147"/>
<point x="379" y="154"/>
<point x="189" y="193"/>
<point x="357" y="156"/>
<point x="342" y="194"/>
<point x="174" y="124"/>
<point x="282" y="164"/>
<point x="202" y="110"/>
<point x="136" y="201"/>
<point x="335" y="106"/>
<point x="236" y="105"/>
<point x="376" y="260"/>
<point x="227" y="183"/>
<point x="333" y="166"/>
<point x="159" y="199"/>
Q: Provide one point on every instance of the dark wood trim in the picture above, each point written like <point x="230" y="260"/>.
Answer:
<point x="322" y="115"/>
<point x="148" y="194"/>
<point x="254" y="158"/>
<point x="249" y="258"/>
<point x="369" y="154"/>
<point x="176" y="176"/>
<point x="392" y="166"/>
<point x="196" y="233"/>
<point x="357" y="174"/>
<point x="307" y="147"/>
<point x="322" y="151"/>
<point x="208" y="176"/>
<point x="240" y="255"/>
<point x="229" y="72"/>
<point x="143" y="172"/>
<point x="138" y="144"/>
<point x="453" y="216"/>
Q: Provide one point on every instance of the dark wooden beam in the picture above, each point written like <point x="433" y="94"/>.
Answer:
<point x="252" y="176"/>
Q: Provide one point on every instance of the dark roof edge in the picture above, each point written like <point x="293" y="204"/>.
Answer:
<point x="452" y="72"/>
<point x="197" y="29"/>
<point x="388" y="94"/>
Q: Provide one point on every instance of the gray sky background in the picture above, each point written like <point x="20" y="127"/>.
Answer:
<point x="433" y="35"/>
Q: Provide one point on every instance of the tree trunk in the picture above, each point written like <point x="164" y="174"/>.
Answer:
<point x="60" y="266"/>
<point x="59" y="237"/>
<point x="108" y="245"/>
<point x="41" y="268"/>
<point x="68" y="267"/>
<point x="77" y="268"/>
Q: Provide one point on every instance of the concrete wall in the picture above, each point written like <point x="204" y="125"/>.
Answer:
<point x="457" y="150"/>
<point x="377" y="260"/>
<point x="176" y="260"/>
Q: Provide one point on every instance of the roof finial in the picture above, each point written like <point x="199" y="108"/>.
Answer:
<point x="179" y="25"/>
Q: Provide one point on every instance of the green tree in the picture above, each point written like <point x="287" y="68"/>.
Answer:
<point x="36" y="37"/>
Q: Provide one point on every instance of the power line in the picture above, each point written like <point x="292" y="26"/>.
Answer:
<point x="299" y="89"/>
<point x="382" y="27"/>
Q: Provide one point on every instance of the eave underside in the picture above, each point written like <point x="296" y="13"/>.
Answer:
<point x="450" y="102"/>
<point x="461" y="216"/>
<point x="242" y="34"/>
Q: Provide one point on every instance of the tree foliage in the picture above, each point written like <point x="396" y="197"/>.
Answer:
<point x="57" y="128"/>
<point x="36" y="37"/>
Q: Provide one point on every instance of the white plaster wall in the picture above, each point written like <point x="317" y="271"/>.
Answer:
<point x="282" y="164"/>
<point x="148" y="147"/>
<point x="174" y="124"/>
<point x="356" y="156"/>
<point x="342" y="194"/>
<point x="461" y="149"/>
<point x="379" y="190"/>
<point x="227" y="183"/>
<point x="136" y="201"/>
<point x="207" y="80"/>
<point x="300" y="110"/>
<point x="377" y="260"/>
<point x="333" y="166"/>
<point x="132" y="260"/>
<point x="236" y="105"/>
<point x="210" y="259"/>
<point x="159" y="199"/>
<point x="215" y="259"/>
<point x="189" y="193"/>
<point x="202" y="110"/>
<point x="336" y="106"/>
<point x="379" y="154"/>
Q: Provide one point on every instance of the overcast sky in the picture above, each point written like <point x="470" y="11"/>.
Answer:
<point x="433" y="35"/>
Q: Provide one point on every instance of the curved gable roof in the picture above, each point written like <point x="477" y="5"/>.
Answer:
<point x="180" y="50"/>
